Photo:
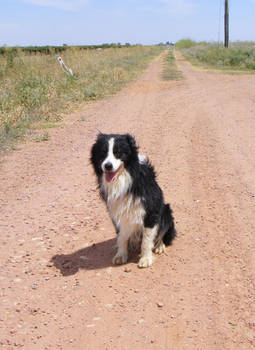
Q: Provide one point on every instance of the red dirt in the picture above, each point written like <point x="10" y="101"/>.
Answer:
<point x="58" y="287"/>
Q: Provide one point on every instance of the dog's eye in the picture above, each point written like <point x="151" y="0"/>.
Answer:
<point x="118" y="154"/>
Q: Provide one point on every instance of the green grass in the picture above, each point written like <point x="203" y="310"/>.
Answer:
<point x="240" y="56"/>
<point x="34" y="89"/>
<point x="170" y="69"/>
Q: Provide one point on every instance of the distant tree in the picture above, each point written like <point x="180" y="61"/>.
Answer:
<point x="185" y="43"/>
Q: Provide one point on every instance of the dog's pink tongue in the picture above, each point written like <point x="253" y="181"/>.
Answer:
<point x="109" y="176"/>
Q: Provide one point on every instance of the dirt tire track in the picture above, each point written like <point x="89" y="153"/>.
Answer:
<point x="58" y="287"/>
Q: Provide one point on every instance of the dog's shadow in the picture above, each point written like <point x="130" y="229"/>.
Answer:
<point x="95" y="257"/>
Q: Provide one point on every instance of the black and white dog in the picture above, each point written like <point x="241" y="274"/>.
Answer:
<point x="134" y="200"/>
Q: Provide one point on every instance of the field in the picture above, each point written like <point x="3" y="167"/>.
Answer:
<point x="55" y="49"/>
<point x="239" y="56"/>
<point x="34" y="88"/>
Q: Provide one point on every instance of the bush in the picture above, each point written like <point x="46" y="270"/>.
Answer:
<point x="185" y="43"/>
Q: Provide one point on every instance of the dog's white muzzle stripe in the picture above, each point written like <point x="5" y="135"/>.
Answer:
<point x="110" y="159"/>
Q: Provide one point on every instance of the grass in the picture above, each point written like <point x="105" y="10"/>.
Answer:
<point x="170" y="69"/>
<point x="240" y="56"/>
<point x="40" y="137"/>
<point x="34" y="89"/>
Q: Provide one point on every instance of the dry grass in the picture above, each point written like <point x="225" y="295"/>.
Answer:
<point x="170" y="69"/>
<point x="34" y="87"/>
<point x="240" y="56"/>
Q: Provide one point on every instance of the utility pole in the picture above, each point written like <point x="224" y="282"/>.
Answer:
<point x="226" y="24"/>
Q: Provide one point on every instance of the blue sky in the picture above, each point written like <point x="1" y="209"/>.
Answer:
<point x="54" y="22"/>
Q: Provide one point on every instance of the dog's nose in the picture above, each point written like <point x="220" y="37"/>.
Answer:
<point x="108" y="166"/>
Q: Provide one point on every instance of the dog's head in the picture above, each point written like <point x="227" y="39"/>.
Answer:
<point x="111" y="153"/>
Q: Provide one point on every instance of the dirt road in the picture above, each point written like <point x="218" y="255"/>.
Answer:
<point x="58" y="287"/>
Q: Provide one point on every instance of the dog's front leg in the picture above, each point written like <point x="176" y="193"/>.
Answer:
<point x="149" y="235"/>
<point x="122" y="253"/>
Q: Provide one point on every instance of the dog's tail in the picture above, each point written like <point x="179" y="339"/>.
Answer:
<point x="167" y="230"/>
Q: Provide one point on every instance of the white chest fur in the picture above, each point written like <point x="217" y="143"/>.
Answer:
<point x="126" y="211"/>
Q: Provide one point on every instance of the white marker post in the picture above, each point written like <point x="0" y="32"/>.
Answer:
<point x="64" y="67"/>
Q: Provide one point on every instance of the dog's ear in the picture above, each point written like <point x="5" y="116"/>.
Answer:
<point x="100" y="136"/>
<point x="132" y="143"/>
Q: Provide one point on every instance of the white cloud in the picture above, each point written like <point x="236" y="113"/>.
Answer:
<point x="68" y="5"/>
<point x="178" y="7"/>
<point x="171" y="7"/>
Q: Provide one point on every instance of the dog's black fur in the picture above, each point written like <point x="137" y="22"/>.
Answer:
<point x="143" y="183"/>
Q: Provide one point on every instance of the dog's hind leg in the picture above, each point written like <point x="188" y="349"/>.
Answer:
<point x="160" y="248"/>
<point x="167" y="230"/>
<point x="149" y="235"/>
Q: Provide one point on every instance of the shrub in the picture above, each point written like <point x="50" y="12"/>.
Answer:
<point x="185" y="43"/>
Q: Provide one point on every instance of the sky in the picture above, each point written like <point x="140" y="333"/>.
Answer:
<point x="87" y="22"/>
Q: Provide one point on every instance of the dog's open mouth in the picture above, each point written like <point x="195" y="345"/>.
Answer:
<point x="110" y="175"/>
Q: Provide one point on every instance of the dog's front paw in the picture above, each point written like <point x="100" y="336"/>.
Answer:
<point x="119" y="259"/>
<point x="145" y="261"/>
